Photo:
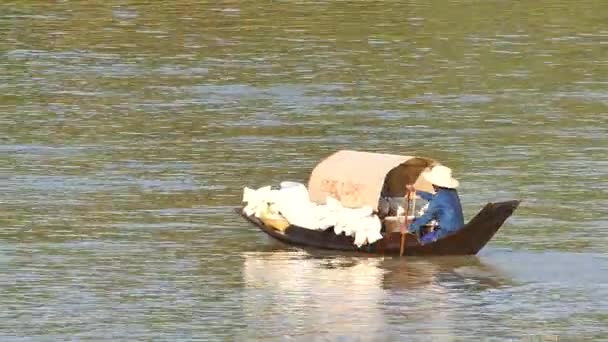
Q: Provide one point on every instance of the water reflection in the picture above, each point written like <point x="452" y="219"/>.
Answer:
<point x="465" y="273"/>
<point x="298" y="293"/>
<point x="292" y="293"/>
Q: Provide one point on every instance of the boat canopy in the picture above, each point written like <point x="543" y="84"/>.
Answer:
<point x="359" y="179"/>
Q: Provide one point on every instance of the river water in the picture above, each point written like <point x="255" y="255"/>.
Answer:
<point x="128" y="131"/>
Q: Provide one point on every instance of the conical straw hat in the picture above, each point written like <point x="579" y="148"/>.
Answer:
<point x="441" y="176"/>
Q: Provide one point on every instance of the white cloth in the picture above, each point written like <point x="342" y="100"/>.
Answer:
<point x="293" y="203"/>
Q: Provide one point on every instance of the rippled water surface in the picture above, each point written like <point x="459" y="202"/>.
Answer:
<point x="128" y="130"/>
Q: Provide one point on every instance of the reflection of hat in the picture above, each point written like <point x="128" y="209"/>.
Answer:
<point x="441" y="176"/>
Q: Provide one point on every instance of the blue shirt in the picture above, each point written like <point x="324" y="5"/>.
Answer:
<point x="444" y="207"/>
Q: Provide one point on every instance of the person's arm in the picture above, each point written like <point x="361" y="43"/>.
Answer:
<point x="427" y="196"/>
<point x="424" y="219"/>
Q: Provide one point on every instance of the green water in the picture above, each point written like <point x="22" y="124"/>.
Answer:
<point x="128" y="131"/>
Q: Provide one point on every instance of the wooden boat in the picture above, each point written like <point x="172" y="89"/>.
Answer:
<point x="346" y="176"/>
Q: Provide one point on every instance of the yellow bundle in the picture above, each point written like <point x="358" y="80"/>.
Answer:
<point x="273" y="219"/>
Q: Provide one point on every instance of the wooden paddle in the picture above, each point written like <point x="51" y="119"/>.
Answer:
<point x="408" y="198"/>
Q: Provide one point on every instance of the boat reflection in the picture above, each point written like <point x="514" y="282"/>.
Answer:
<point x="456" y="272"/>
<point x="304" y="296"/>
<point x="298" y="293"/>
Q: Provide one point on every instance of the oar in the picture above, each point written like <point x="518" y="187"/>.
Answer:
<point x="408" y="197"/>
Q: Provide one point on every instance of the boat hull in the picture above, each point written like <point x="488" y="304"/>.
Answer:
<point x="468" y="240"/>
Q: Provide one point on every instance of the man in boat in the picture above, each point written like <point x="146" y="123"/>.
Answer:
<point x="444" y="204"/>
